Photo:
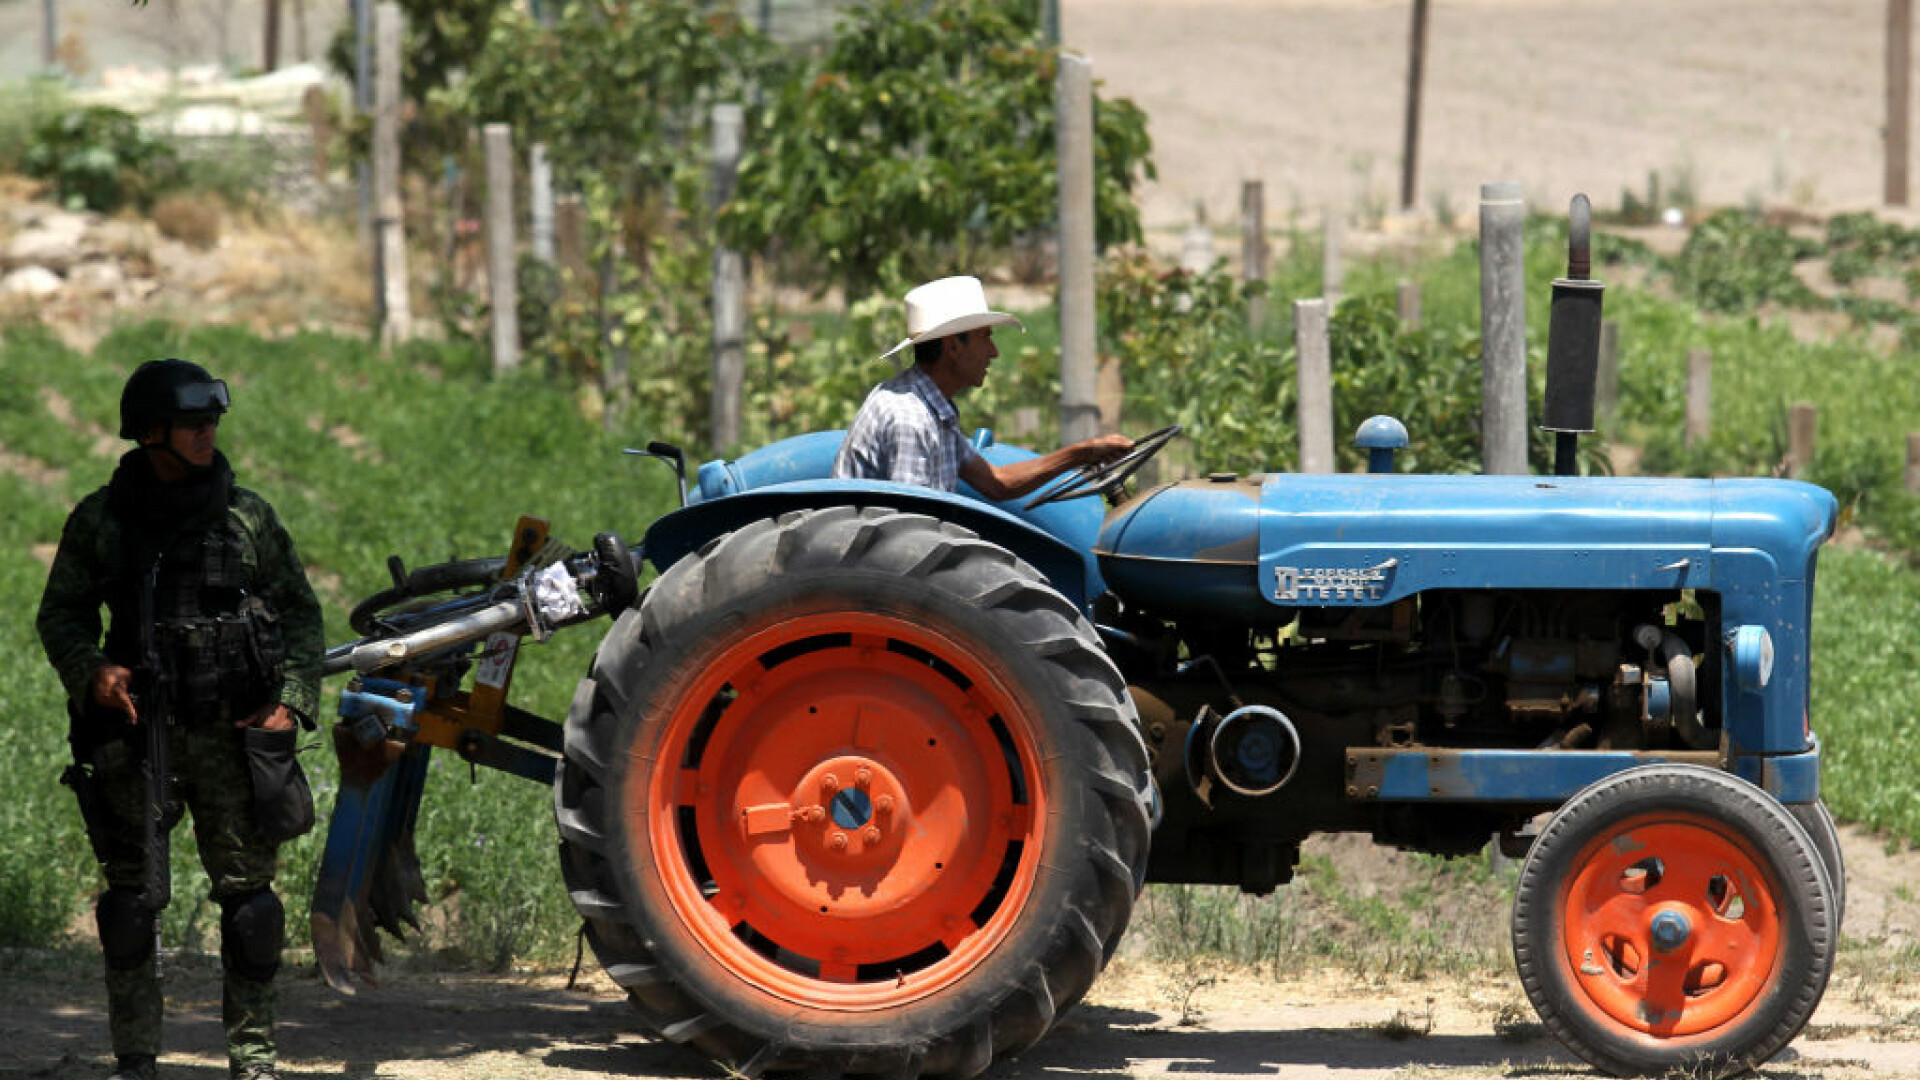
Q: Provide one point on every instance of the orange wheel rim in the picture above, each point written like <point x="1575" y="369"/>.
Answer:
<point x="851" y="815"/>
<point x="1671" y="926"/>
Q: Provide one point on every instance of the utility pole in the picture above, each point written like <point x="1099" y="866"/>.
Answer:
<point x="1899" y="65"/>
<point x="1416" y="73"/>
<point x="49" y="33"/>
<point x="270" y="46"/>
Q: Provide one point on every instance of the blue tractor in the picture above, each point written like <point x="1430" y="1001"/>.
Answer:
<point x="868" y="779"/>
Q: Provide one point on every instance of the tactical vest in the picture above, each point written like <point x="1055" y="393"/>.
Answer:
<point x="219" y="644"/>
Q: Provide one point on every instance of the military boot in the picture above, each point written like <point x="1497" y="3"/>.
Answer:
<point x="135" y="1067"/>
<point x="256" y="1071"/>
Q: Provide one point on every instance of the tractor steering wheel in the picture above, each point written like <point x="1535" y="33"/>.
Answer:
<point x="1106" y="476"/>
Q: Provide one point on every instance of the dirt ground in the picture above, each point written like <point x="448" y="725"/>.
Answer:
<point x="1779" y="101"/>
<point x="1135" y="1023"/>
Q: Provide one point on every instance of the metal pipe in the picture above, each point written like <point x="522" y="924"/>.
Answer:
<point x="367" y="657"/>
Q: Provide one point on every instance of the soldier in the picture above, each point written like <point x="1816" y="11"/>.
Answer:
<point x="211" y="657"/>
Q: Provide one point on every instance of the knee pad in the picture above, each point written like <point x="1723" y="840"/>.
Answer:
<point x="126" y="928"/>
<point x="253" y="927"/>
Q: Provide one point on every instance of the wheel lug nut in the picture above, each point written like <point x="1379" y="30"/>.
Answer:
<point x="883" y="804"/>
<point x="870" y="834"/>
<point x="829" y="783"/>
<point x="838" y="841"/>
<point x="863" y="778"/>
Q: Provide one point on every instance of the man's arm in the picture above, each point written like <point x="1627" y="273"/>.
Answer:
<point x="283" y="581"/>
<point x="68" y="620"/>
<point x="1010" y="481"/>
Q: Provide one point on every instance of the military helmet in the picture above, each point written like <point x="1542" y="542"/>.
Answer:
<point x="161" y="391"/>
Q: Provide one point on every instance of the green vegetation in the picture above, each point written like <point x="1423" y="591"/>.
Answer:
<point x="419" y="454"/>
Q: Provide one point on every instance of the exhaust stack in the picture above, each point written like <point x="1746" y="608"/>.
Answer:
<point x="1573" y="343"/>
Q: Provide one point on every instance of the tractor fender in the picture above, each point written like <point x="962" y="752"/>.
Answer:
<point x="1069" y="570"/>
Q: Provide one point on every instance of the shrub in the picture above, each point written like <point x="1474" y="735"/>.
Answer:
<point x="98" y="158"/>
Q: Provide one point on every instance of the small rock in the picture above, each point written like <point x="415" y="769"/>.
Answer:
<point x="31" y="281"/>
<point x="53" y="242"/>
<point x="97" y="277"/>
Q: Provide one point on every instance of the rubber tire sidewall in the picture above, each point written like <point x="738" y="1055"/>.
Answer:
<point x="1800" y="889"/>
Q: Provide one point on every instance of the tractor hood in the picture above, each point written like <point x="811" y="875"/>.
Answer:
<point x="1238" y="546"/>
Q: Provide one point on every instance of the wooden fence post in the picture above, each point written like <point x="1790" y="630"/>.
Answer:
<point x="1803" y="424"/>
<point x="1253" y="249"/>
<point x="1314" y="370"/>
<point x="1503" y="330"/>
<point x="1331" y="272"/>
<point x="314" y="104"/>
<point x="1699" y="395"/>
<point x="1407" y="303"/>
<point x="1913" y="462"/>
<point x="1073" y="127"/>
<point x="729" y="288"/>
<point x="502" y="290"/>
<point x="392" y="302"/>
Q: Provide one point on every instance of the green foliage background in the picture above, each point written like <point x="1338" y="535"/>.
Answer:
<point x="421" y="454"/>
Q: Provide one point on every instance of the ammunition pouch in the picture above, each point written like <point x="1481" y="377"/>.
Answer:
<point x="282" y="799"/>
<point x="222" y="667"/>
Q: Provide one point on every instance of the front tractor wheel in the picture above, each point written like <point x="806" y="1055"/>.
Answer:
<point x="853" y="792"/>
<point x="1674" y="920"/>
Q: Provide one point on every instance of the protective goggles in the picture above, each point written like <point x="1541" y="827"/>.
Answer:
<point x="201" y="397"/>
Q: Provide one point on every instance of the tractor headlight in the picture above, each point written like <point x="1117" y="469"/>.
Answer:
<point x="1752" y="649"/>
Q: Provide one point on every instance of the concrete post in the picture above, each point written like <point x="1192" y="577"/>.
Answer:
<point x="391" y="299"/>
<point x="729" y="289"/>
<point x="1079" y="409"/>
<point x="1314" y="370"/>
<point x="502" y="290"/>
<point x="1503" y="329"/>
<point x="1606" y="380"/>
<point x="540" y="200"/>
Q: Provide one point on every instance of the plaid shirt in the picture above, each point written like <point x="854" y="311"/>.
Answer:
<point x="908" y="432"/>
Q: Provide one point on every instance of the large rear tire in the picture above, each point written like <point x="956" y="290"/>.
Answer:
<point x="1674" y="920"/>
<point x="853" y="792"/>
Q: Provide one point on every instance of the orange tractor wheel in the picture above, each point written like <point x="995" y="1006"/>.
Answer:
<point x="853" y="792"/>
<point x="1674" y="918"/>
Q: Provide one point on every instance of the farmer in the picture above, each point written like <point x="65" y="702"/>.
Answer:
<point x="907" y="430"/>
<point x="216" y="637"/>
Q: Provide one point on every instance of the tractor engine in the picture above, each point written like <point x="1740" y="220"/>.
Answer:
<point x="1234" y="717"/>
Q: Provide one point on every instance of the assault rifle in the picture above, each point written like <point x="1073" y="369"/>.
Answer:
<point x="155" y="707"/>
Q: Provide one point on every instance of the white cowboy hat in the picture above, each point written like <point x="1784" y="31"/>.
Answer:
<point x="949" y="306"/>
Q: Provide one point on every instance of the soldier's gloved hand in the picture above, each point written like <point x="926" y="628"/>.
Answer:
<point x="270" y="717"/>
<point x="112" y="688"/>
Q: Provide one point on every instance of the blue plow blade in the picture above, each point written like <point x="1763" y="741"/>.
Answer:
<point x="369" y="878"/>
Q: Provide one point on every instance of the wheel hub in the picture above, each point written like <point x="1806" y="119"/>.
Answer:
<point x="850" y="811"/>
<point x="1669" y="930"/>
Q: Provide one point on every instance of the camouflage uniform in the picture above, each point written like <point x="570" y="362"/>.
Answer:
<point x="92" y="569"/>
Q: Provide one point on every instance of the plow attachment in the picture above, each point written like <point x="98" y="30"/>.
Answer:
<point x="406" y="698"/>
<point x="369" y="872"/>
